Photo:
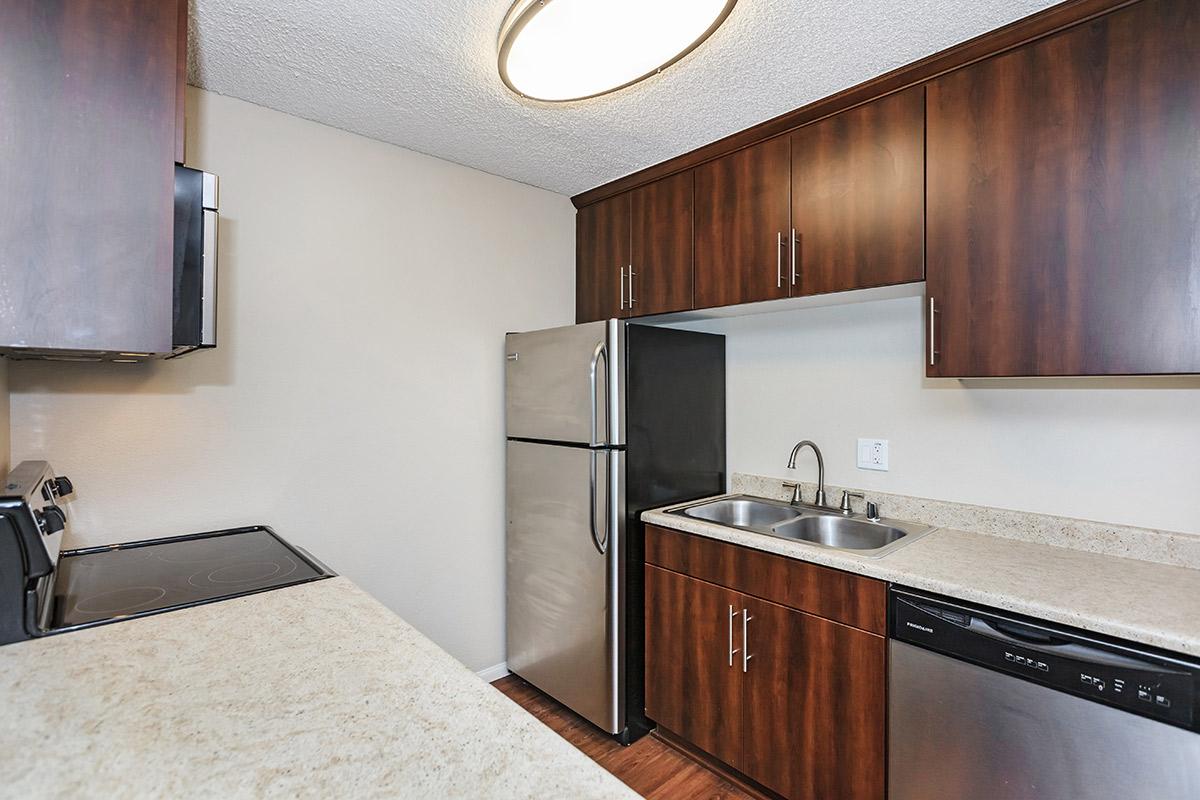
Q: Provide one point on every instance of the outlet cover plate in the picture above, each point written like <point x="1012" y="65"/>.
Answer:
<point x="873" y="454"/>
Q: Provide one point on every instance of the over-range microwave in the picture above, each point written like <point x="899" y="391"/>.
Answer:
<point x="194" y="279"/>
<point x="195" y="272"/>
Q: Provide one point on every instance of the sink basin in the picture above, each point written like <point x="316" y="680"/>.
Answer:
<point x="742" y="513"/>
<point x="815" y="525"/>
<point x="844" y="533"/>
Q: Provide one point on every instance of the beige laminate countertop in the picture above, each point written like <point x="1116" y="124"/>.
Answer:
<point x="314" y="690"/>
<point x="1149" y="603"/>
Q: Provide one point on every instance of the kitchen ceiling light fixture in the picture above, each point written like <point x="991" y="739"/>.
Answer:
<point x="557" y="50"/>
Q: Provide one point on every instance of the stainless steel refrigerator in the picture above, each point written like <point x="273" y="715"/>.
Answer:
<point x="604" y="420"/>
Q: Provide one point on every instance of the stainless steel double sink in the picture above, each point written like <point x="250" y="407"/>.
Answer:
<point x="822" y="527"/>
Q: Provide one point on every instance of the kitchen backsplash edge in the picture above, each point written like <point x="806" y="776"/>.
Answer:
<point x="1143" y="544"/>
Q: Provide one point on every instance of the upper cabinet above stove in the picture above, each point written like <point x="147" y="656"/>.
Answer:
<point x="1044" y="179"/>
<point x="91" y="127"/>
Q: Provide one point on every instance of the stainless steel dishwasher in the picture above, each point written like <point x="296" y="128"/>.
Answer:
<point x="990" y="706"/>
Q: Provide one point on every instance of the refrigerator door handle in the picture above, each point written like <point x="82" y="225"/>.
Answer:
<point x="601" y="547"/>
<point x="601" y="352"/>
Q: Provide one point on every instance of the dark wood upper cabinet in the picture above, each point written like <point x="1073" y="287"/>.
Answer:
<point x="602" y="259"/>
<point x="814" y="705"/>
<point x="743" y="223"/>
<point x="858" y="196"/>
<point x="693" y="679"/>
<point x="89" y="136"/>
<point x="662" y="231"/>
<point x="181" y="56"/>
<point x="1063" y="199"/>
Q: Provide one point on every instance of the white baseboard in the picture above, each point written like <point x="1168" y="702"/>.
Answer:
<point x="494" y="673"/>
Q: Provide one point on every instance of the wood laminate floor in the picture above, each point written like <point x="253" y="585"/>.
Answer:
<point x="649" y="766"/>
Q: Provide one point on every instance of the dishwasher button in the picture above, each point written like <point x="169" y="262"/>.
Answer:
<point x="1144" y="696"/>
<point x="1162" y="701"/>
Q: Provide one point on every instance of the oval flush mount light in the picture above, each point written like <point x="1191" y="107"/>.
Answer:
<point x="556" y="50"/>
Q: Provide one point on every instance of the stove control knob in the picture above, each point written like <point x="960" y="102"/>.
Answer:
<point x="52" y="520"/>
<point x="62" y="486"/>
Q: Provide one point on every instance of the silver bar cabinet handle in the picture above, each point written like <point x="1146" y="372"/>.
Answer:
<point x="933" y="353"/>
<point x="631" y="274"/>
<point x="622" y="288"/>
<point x="779" y="260"/>
<point x="745" y="642"/>
<point x="732" y="649"/>
<point x="794" y="276"/>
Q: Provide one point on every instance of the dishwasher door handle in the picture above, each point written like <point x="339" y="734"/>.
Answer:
<point x="1051" y="645"/>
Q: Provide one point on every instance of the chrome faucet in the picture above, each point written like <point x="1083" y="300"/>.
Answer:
<point x="819" y="500"/>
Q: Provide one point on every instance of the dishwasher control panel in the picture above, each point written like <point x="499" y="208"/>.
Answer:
<point x="1136" y="679"/>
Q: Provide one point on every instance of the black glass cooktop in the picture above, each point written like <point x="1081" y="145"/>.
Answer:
<point x="105" y="584"/>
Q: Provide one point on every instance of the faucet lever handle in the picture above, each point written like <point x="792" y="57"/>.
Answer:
<point x="846" y="495"/>
<point x="795" y="487"/>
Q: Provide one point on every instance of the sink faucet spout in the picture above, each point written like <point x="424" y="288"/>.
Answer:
<point x="819" y="500"/>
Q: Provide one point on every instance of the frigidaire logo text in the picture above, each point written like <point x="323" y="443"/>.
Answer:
<point x="919" y="627"/>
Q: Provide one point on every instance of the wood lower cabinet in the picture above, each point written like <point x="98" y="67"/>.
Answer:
<point x="793" y="700"/>
<point x="813" y="705"/>
<point x="1064" y="194"/>
<point x="692" y="688"/>
<point x="602" y="259"/>
<point x="91" y="125"/>
<point x="662" y="228"/>
<point x="858" y="196"/>
<point x="743" y="226"/>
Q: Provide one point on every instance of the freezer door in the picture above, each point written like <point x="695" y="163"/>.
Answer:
<point x="564" y="384"/>
<point x="565" y="592"/>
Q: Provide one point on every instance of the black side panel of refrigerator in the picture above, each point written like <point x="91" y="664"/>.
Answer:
<point x="675" y="452"/>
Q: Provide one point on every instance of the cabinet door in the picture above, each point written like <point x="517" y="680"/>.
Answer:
<point x="89" y="103"/>
<point x="693" y="677"/>
<point x="601" y="259"/>
<point x="1064" y="194"/>
<point x="662" y="246"/>
<point x="743" y="222"/>
<point x="858" y="197"/>
<point x="814" y="704"/>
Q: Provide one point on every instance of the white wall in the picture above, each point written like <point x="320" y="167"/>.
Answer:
<point x="355" y="402"/>
<point x="1114" y="450"/>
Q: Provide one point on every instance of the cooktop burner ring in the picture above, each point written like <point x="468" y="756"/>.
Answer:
<point x="245" y="572"/>
<point x="121" y="601"/>
<point x="189" y="550"/>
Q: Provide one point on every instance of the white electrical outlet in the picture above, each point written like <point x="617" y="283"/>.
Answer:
<point x="873" y="454"/>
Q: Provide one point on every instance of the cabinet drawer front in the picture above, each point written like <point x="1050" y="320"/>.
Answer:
<point x="829" y="593"/>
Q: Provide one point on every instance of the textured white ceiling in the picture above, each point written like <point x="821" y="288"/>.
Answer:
<point x="421" y="74"/>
